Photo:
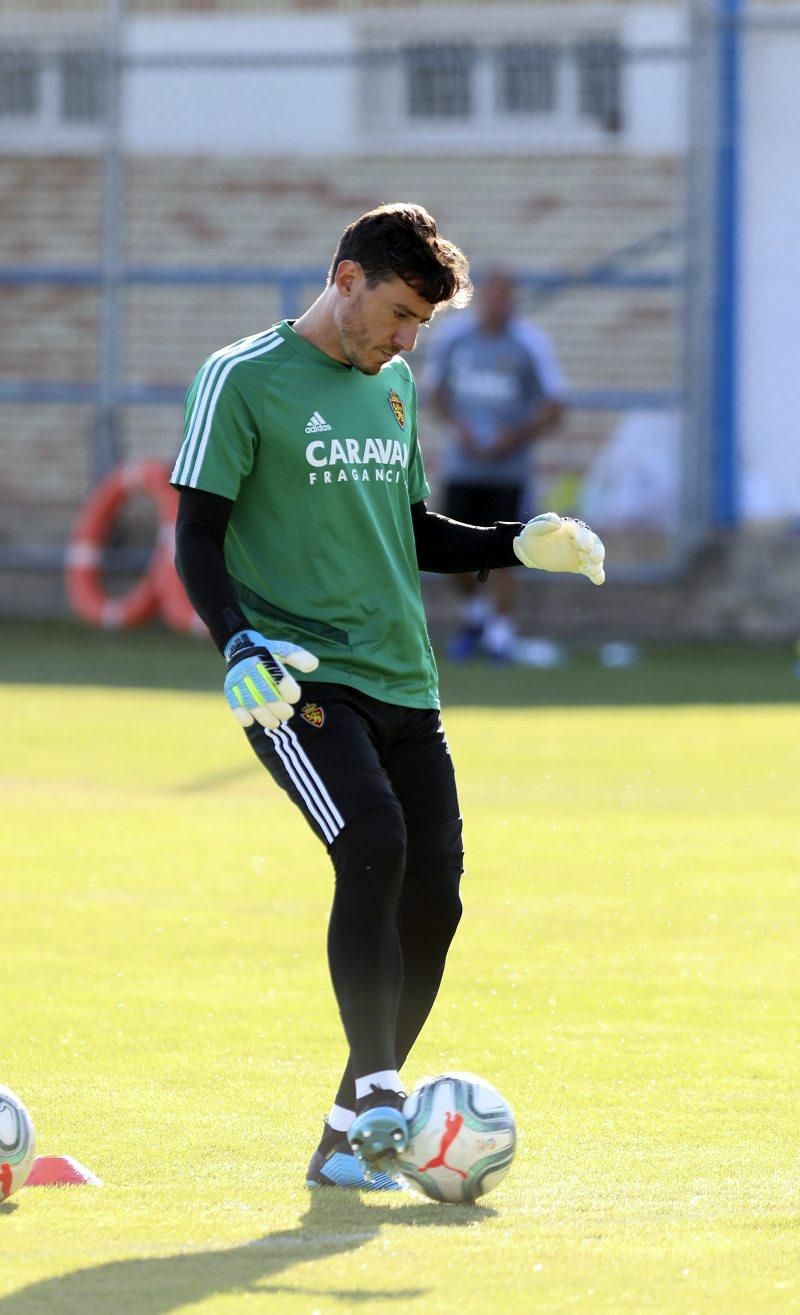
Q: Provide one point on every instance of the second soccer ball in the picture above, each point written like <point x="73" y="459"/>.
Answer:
<point x="17" y="1143"/>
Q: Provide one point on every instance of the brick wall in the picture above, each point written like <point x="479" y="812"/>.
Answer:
<point x="45" y="471"/>
<point x="526" y="212"/>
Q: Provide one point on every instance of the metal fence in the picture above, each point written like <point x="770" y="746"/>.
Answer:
<point x="163" y="193"/>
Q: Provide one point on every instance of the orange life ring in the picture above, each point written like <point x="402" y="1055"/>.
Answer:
<point x="85" y="588"/>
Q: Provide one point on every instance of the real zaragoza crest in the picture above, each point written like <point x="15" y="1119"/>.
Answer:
<point x="313" y="714"/>
<point x="398" y="410"/>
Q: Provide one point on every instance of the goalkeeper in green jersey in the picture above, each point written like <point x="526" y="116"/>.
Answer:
<point x="302" y="529"/>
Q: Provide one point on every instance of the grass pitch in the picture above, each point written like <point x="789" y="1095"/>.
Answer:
<point x="626" y="973"/>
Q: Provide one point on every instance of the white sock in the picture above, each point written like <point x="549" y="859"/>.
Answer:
<point x="476" y="611"/>
<point x="339" y="1118"/>
<point x="499" y="634"/>
<point x="388" y="1078"/>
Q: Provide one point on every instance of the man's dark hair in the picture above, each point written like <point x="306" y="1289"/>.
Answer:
<point x="402" y="239"/>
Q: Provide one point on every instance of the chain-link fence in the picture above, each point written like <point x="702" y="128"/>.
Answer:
<point x="174" y="180"/>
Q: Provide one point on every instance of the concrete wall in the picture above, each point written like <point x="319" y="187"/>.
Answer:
<point x="302" y="102"/>
<point x="233" y="110"/>
<point x="97" y="8"/>
<point x="338" y="80"/>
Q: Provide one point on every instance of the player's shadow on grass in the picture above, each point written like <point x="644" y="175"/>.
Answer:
<point x="332" y="1225"/>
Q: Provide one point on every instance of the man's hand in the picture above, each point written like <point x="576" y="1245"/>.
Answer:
<point x="552" y="543"/>
<point x="257" y="686"/>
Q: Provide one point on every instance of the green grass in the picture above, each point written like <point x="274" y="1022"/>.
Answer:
<point x="626" y="972"/>
<point x="65" y="653"/>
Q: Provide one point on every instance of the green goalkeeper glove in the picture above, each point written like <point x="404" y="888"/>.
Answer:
<point x="257" y="686"/>
<point x="554" y="543"/>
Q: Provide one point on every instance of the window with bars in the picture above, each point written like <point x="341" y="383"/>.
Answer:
<point x="62" y="87"/>
<point x="579" y="82"/>
<point x="83" y="86"/>
<point x="527" y="78"/>
<point x="439" y="81"/>
<point x="20" y="83"/>
<point x="599" y="65"/>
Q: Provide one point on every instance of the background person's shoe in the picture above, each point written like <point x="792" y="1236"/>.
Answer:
<point x="465" y="644"/>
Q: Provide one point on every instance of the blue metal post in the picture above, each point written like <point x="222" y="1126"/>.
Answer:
<point x="725" y="444"/>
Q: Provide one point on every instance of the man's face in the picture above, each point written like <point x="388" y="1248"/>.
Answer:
<point x="375" y="323"/>
<point x="495" y="302"/>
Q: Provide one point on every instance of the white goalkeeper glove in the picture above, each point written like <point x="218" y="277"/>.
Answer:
<point x="257" y="686"/>
<point x="554" y="543"/>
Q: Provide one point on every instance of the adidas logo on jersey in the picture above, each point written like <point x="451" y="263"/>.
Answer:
<point x="317" y="424"/>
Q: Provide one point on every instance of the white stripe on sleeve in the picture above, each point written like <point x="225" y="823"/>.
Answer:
<point x="213" y="366"/>
<point x="223" y="374"/>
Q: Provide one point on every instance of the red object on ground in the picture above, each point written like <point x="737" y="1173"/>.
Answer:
<point x="60" y="1171"/>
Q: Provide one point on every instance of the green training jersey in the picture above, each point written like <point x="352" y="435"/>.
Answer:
<point x="323" y="464"/>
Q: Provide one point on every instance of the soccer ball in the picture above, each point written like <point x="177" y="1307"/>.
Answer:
<point x="462" y="1138"/>
<point x="17" y="1143"/>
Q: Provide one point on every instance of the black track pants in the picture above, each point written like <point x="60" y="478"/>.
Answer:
<point x="376" y="783"/>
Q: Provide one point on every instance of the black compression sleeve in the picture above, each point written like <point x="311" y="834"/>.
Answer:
<point x="449" y="546"/>
<point x="442" y="545"/>
<point x="200" y="562"/>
